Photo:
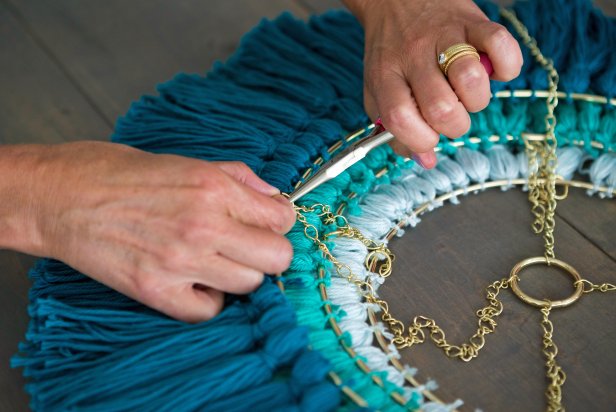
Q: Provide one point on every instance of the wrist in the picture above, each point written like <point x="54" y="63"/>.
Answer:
<point x="22" y="198"/>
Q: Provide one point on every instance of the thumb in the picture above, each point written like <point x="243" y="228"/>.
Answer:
<point x="243" y="174"/>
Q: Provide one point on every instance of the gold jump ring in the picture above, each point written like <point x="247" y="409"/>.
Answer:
<point x="541" y="303"/>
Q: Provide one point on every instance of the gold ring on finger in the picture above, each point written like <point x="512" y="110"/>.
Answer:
<point x="453" y="53"/>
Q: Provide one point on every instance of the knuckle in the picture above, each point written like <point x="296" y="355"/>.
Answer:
<point x="148" y="288"/>
<point x="174" y="258"/>
<point x="252" y="279"/>
<point x="381" y="71"/>
<point x="471" y="77"/>
<point x="398" y="119"/>
<point x="498" y="35"/>
<point x="210" y="179"/>
<point x="499" y="38"/>
<point x="439" y="112"/>
<point x="197" y="173"/>
<point x="241" y="168"/>
<point x="374" y="75"/>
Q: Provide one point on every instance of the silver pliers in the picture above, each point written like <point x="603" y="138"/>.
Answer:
<point x="343" y="160"/>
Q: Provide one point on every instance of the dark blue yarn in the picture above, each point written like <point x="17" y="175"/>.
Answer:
<point x="291" y="90"/>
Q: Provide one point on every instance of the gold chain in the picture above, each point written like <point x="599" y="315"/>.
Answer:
<point x="543" y="198"/>
<point x="542" y="177"/>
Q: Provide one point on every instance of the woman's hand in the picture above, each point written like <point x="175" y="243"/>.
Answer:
<point x="171" y="232"/>
<point x="403" y="82"/>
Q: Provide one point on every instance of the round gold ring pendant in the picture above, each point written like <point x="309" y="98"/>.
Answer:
<point x="541" y="303"/>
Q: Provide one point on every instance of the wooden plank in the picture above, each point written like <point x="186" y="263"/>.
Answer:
<point x="608" y="6"/>
<point x="442" y="268"/>
<point x="320" y="6"/>
<point x="39" y="104"/>
<point x="596" y="220"/>
<point x="117" y="52"/>
<point x="14" y="286"/>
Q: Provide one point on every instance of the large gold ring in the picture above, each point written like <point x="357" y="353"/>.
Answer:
<point x="542" y="303"/>
<point x="453" y="53"/>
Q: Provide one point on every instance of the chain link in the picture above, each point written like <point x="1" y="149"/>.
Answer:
<point x="542" y="154"/>
<point x="380" y="260"/>
<point x="591" y="287"/>
<point x="555" y="374"/>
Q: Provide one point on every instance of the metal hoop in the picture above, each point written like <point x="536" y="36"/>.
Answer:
<point x="542" y="303"/>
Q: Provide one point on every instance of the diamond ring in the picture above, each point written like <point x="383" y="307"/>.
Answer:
<point x="453" y="53"/>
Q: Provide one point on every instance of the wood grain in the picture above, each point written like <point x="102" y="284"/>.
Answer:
<point x="14" y="285"/>
<point x="39" y="103"/>
<point x="118" y="52"/>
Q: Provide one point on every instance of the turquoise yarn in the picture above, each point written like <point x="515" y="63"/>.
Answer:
<point x="290" y="91"/>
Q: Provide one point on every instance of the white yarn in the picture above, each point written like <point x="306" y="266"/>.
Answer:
<point x="453" y="170"/>
<point x="419" y="190"/>
<point x="603" y="173"/>
<point x="522" y="164"/>
<point x="376" y="226"/>
<point x="503" y="164"/>
<point x="360" y="335"/>
<point x="438" y="179"/>
<point x="475" y="164"/>
<point x="437" y="407"/>
<point x="569" y="159"/>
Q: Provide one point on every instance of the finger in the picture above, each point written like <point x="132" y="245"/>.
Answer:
<point x="502" y="48"/>
<point x="229" y="276"/>
<point x="437" y="101"/>
<point x="370" y="105"/>
<point x="399" y="112"/>
<point x="256" y="209"/>
<point x="196" y="303"/>
<point x="244" y="174"/>
<point x="426" y="160"/>
<point x="486" y="62"/>
<point x="256" y="248"/>
<point x="470" y="82"/>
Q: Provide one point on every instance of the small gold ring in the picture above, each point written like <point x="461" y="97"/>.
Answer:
<point x="453" y="53"/>
<point x="541" y="303"/>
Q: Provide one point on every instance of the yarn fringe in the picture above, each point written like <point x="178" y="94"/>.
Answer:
<point x="290" y="91"/>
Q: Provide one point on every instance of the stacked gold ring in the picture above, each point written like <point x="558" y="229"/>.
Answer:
<point x="453" y="53"/>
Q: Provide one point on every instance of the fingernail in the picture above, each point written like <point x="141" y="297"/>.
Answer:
<point x="417" y="159"/>
<point x="271" y="190"/>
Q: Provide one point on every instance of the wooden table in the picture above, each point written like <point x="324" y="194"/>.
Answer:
<point x="69" y="68"/>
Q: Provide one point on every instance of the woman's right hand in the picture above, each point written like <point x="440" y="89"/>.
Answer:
<point x="171" y="232"/>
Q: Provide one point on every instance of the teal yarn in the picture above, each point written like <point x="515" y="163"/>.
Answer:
<point x="291" y="90"/>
